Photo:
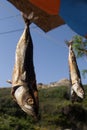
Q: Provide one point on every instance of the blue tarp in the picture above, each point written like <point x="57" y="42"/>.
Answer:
<point x="74" y="13"/>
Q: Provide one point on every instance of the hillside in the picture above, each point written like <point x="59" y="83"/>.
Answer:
<point x="57" y="112"/>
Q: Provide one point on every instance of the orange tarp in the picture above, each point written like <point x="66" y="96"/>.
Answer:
<point x="42" y="18"/>
<point x="49" y="6"/>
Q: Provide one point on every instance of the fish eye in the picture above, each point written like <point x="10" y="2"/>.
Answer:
<point x="30" y="101"/>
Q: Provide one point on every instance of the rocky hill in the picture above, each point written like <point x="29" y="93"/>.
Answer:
<point x="62" y="82"/>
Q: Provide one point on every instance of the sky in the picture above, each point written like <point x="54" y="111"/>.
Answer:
<point x="50" y="51"/>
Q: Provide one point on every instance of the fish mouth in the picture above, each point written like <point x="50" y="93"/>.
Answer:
<point x="29" y="110"/>
<point x="25" y="100"/>
<point x="75" y="97"/>
<point x="78" y="90"/>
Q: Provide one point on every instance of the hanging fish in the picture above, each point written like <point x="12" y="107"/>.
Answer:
<point x="75" y="78"/>
<point x="24" y="88"/>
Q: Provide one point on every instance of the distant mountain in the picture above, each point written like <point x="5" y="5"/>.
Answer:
<point x="62" y="82"/>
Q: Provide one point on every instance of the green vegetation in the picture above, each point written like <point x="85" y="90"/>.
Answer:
<point x="57" y="112"/>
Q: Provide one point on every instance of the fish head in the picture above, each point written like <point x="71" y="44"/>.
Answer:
<point x="78" y="89"/>
<point x="27" y="100"/>
<point x="75" y="98"/>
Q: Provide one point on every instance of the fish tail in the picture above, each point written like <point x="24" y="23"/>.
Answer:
<point x="69" y="43"/>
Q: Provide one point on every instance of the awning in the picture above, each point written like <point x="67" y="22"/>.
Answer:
<point x="37" y="15"/>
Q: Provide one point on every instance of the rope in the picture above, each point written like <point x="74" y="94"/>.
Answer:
<point x="9" y="17"/>
<point x="11" y="31"/>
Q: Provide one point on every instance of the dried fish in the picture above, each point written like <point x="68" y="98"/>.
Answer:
<point x="75" y="78"/>
<point x="24" y="88"/>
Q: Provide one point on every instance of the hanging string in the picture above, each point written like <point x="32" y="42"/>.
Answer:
<point x="12" y="31"/>
<point x="45" y="35"/>
<point x="16" y="16"/>
<point x="10" y="17"/>
<point x="10" y="11"/>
